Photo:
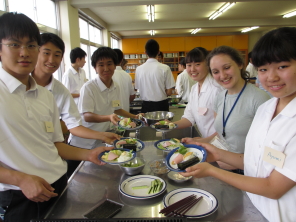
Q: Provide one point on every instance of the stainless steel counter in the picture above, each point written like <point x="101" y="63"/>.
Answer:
<point x="92" y="184"/>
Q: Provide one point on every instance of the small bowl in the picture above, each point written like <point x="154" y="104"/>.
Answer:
<point x="158" y="166"/>
<point x="129" y="170"/>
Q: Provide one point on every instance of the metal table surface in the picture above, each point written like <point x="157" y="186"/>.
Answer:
<point x="93" y="184"/>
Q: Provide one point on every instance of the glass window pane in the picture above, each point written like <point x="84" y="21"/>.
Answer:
<point x="25" y="7"/>
<point x="46" y="13"/>
<point x="98" y="36"/>
<point x="2" y="5"/>
<point x="87" y="59"/>
<point x="91" y="33"/>
<point x="83" y="29"/>
<point x="93" y="73"/>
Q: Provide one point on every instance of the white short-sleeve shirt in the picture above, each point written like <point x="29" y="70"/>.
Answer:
<point x="96" y="98"/>
<point x="183" y="85"/>
<point x="25" y="144"/>
<point x="199" y="110"/>
<point x="74" y="80"/>
<point x="278" y="133"/>
<point x="252" y="70"/>
<point x="124" y="81"/>
<point x="65" y="102"/>
<point x="152" y="79"/>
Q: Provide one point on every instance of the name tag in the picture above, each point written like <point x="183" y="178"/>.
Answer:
<point x="274" y="157"/>
<point x="49" y="127"/>
<point x="115" y="103"/>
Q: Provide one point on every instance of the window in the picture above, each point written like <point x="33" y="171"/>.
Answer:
<point x="114" y="41"/>
<point x="2" y="5"/>
<point x="42" y="12"/>
<point x="90" y="40"/>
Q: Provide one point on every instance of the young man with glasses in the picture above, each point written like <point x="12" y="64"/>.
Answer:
<point x="32" y="165"/>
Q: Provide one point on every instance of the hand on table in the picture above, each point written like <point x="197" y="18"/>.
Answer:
<point x="36" y="188"/>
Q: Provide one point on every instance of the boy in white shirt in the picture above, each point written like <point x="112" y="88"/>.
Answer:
<point x="32" y="154"/>
<point x="52" y="49"/>
<point x="99" y="103"/>
<point x="75" y="77"/>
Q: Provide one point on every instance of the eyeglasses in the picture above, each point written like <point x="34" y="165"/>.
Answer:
<point x="15" y="46"/>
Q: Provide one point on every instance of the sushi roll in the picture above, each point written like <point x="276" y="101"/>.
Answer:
<point x="130" y="146"/>
<point x="188" y="163"/>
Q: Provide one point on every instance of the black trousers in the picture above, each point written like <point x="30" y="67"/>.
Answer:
<point x="150" y="106"/>
<point x="20" y="209"/>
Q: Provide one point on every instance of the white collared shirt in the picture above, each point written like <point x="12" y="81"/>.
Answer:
<point x="95" y="98"/>
<point x="252" y="70"/>
<point x="65" y="102"/>
<point x="25" y="144"/>
<point x="203" y="100"/>
<point x="278" y="133"/>
<point x="74" y="80"/>
<point x="184" y="84"/>
<point x="124" y="81"/>
<point x="152" y="79"/>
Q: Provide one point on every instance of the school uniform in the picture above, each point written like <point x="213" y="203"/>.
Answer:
<point x="152" y="79"/>
<point x="29" y="126"/>
<point x="200" y="110"/>
<point x="278" y="134"/>
<point x="124" y="81"/>
<point x="96" y="98"/>
<point x="184" y="84"/>
<point x="67" y="108"/>
<point x="74" y="80"/>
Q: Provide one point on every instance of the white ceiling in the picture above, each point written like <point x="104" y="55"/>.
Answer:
<point x="128" y="18"/>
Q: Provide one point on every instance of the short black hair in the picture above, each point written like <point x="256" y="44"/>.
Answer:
<point x="160" y="54"/>
<point x="54" y="39"/>
<point x="275" y="46"/>
<point x="152" y="48"/>
<point x="119" y="56"/>
<point x="77" y="53"/>
<point x="234" y="54"/>
<point x="197" y="54"/>
<point x="182" y="62"/>
<point x="103" y="53"/>
<point x="17" y="25"/>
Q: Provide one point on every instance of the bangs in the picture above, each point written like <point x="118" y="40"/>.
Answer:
<point x="195" y="55"/>
<point x="276" y="46"/>
<point x="18" y="26"/>
<point x="103" y="53"/>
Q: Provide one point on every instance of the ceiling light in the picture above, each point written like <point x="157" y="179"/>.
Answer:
<point x="150" y="13"/>
<point x="195" y="30"/>
<point x="221" y="10"/>
<point x="152" y="32"/>
<point x="290" y="14"/>
<point x="249" y="29"/>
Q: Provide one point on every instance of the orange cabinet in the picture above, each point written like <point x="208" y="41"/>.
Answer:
<point x="177" y="43"/>
<point x="208" y="42"/>
<point x="129" y="46"/>
<point x="191" y="42"/>
<point x="164" y="44"/>
<point x="141" y="44"/>
<point x="241" y="41"/>
<point x="225" y="40"/>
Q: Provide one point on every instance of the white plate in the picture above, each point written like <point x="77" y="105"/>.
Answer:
<point x="163" y="141"/>
<point x="177" y="177"/>
<point x="138" y="122"/>
<point x="205" y="207"/>
<point x="140" y="144"/>
<point x="163" y="130"/>
<point x="126" y="187"/>
<point x="112" y="162"/>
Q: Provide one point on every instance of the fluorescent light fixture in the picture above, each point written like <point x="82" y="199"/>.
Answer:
<point x="249" y="29"/>
<point x="150" y="13"/>
<point x="152" y="32"/>
<point x="195" y="30"/>
<point x="221" y="10"/>
<point x="290" y="14"/>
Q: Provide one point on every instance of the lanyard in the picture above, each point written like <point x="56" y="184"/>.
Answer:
<point x="225" y="121"/>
